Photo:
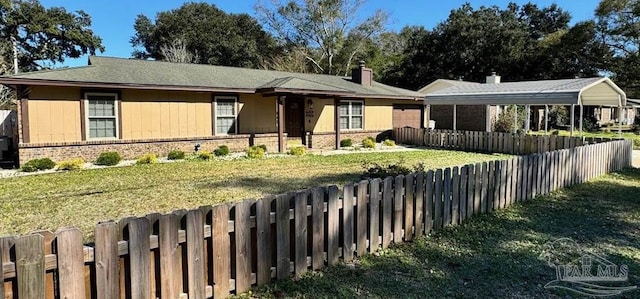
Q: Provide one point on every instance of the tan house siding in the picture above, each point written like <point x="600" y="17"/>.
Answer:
<point x="165" y="114"/>
<point x="54" y="120"/>
<point x="257" y="114"/>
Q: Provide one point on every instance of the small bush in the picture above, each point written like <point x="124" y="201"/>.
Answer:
<point x="346" y="142"/>
<point x="205" y="155"/>
<point x="375" y="170"/>
<point x="38" y="164"/>
<point x="175" y="155"/>
<point x="255" y="152"/>
<point x="369" y="142"/>
<point x="221" y="151"/>
<point x="636" y="143"/>
<point x="555" y="132"/>
<point x="389" y="142"/>
<point x="263" y="147"/>
<point x="147" y="159"/>
<point x="73" y="164"/>
<point x="298" y="151"/>
<point x="108" y="159"/>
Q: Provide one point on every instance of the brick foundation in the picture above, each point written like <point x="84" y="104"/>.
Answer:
<point x="131" y="149"/>
<point x="327" y="139"/>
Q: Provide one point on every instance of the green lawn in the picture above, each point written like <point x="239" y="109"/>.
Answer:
<point x="82" y="198"/>
<point x="495" y="255"/>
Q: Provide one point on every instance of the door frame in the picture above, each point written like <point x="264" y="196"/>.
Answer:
<point x="301" y="102"/>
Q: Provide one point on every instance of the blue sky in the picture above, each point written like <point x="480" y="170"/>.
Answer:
<point x="113" y="19"/>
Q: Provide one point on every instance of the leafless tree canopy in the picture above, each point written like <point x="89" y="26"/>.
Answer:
<point x="177" y="52"/>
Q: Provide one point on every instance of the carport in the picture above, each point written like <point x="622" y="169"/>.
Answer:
<point x="567" y="92"/>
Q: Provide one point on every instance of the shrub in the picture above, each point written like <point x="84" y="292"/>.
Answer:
<point x="255" y="152"/>
<point x="147" y="159"/>
<point x="222" y="150"/>
<point x="205" y="155"/>
<point x="590" y="124"/>
<point x="298" y="151"/>
<point x="38" y="164"/>
<point x="504" y="122"/>
<point x="636" y="143"/>
<point x="369" y="142"/>
<point x="108" y="159"/>
<point x="375" y="170"/>
<point x="389" y="142"/>
<point x="175" y="155"/>
<point x="73" y="164"/>
<point x="346" y="142"/>
<point x="555" y="132"/>
<point x="558" y="116"/>
<point x="263" y="147"/>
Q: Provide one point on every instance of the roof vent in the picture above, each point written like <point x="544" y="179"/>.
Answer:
<point x="362" y="75"/>
<point x="493" y="79"/>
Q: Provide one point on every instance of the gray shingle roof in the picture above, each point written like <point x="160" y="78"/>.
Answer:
<point x="135" y="73"/>
<point x="542" y="86"/>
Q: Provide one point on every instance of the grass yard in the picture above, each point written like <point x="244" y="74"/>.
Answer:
<point x="494" y="255"/>
<point x="83" y="198"/>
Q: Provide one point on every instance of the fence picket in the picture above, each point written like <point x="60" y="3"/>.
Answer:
<point x="195" y="254"/>
<point x="170" y="283"/>
<point x="333" y="227"/>
<point x="263" y="240"/>
<point x="30" y="270"/>
<point x="374" y="214"/>
<point x="221" y="251"/>
<point x="471" y="180"/>
<point x="455" y="198"/>
<point x="317" y="218"/>
<point x="300" y="228"/>
<point x="139" y="246"/>
<point x="462" y="206"/>
<point x="409" y="205"/>
<point x="419" y="208"/>
<point x="398" y="209"/>
<point x="484" y="191"/>
<point x="446" y="212"/>
<point x="437" y="201"/>
<point x="70" y="263"/>
<point x="283" y="227"/>
<point x="491" y="169"/>
<point x="477" y="189"/>
<point x="428" y="203"/>
<point x="361" y="221"/>
<point x="347" y="223"/>
<point x="387" y="212"/>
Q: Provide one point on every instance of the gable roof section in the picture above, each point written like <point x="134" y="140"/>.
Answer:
<point x="441" y="84"/>
<point x="107" y="72"/>
<point x="585" y="91"/>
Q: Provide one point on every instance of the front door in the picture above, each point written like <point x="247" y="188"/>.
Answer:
<point x="294" y="118"/>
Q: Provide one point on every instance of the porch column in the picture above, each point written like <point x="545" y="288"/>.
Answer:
<point x="581" y="115"/>
<point x="280" y="123"/>
<point x="546" y="119"/>
<point x="455" y="117"/>
<point x="336" y="106"/>
<point x="427" y="113"/>
<point x="527" y="121"/>
<point x="573" y="118"/>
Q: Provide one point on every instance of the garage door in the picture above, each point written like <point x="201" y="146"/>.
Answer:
<point x="407" y="116"/>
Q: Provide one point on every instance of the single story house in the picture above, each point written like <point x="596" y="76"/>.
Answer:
<point x="139" y="106"/>
<point x="474" y="106"/>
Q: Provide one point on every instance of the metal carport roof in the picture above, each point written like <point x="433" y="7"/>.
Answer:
<point x="583" y="91"/>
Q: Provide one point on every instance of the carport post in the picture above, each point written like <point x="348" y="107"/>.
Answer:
<point x="455" y="118"/>
<point x="515" y="118"/>
<point x="527" y="121"/>
<point x="620" y="121"/>
<point x="546" y="119"/>
<point x="573" y="119"/>
<point x="581" y="115"/>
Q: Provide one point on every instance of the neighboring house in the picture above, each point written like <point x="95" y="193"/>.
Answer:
<point x="137" y="106"/>
<point x="477" y="106"/>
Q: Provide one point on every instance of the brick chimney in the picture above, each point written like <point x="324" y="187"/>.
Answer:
<point x="493" y="79"/>
<point x="362" y="75"/>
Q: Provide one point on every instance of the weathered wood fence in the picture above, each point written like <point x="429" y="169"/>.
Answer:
<point x="490" y="142"/>
<point x="219" y="250"/>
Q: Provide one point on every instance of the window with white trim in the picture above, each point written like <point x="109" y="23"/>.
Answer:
<point x="226" y="115"/>
<point x="351" y="115"/>
<point x="101" y="110"/>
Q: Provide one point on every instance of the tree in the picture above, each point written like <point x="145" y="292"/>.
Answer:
<point x="207" y="32"/>
<point x="618" y="24"/>
<point x="44" y="35"/>
<point x="329" y="30"/>
<point x="177" y="52"/>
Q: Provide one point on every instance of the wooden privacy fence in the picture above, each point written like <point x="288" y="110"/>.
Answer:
<point x="491" y="142"/>
<point x="219" y="250"/>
